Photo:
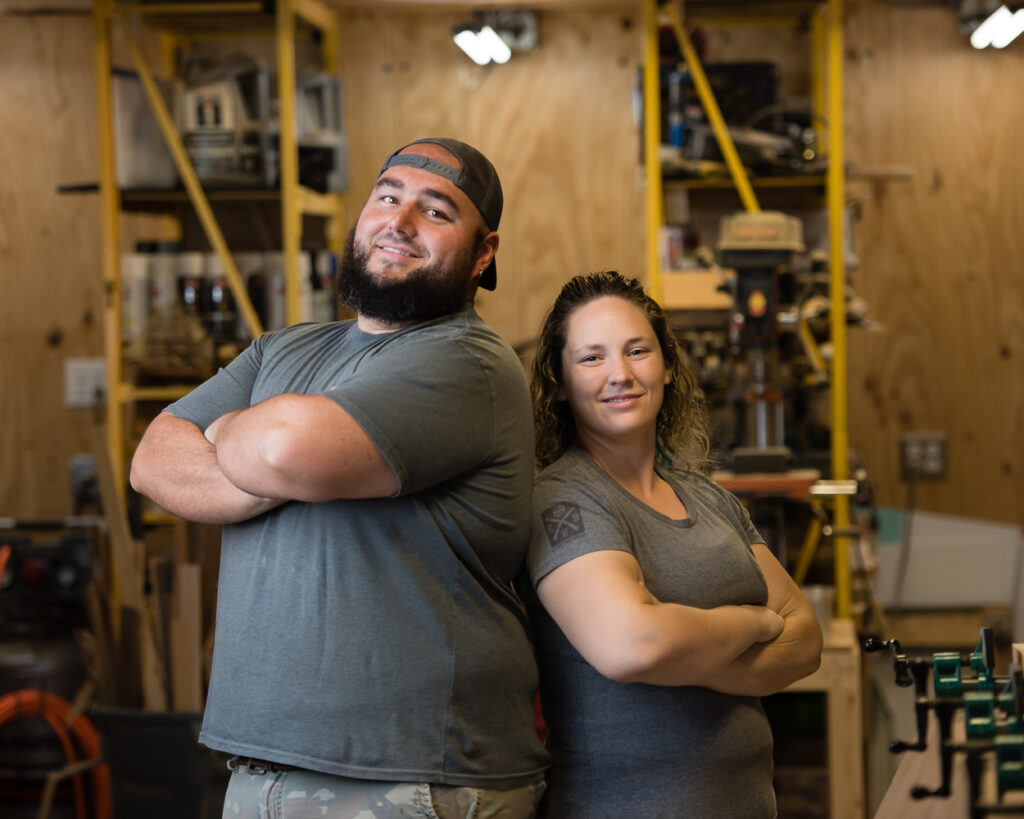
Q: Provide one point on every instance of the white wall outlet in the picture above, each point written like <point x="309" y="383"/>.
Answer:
<point x="85" y="382"/>
<point x="924" y="455"/>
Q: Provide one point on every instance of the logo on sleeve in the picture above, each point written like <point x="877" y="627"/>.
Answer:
<point x="561" y="522"/>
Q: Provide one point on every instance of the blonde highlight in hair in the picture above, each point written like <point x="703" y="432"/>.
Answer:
<point x="682" y="426"/>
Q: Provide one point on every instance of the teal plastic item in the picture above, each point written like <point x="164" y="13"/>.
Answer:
<point x="979" y="714"/>
<point x="1008" y="700"/>
<point x="1014" y="724"/>
<point x="1009" y="763"/>
<point x="983" y="671"/>
<point x="947" y="677"/>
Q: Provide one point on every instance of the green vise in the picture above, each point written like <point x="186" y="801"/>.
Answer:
<point x="946" y="671"/>
<point x="1009" y="763"/>
<point x="979" y="715"/>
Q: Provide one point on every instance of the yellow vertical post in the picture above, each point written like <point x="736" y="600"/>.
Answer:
<point x="288" y="159"/>
<point x="109" y="238"/>
<point x="652" y="147"/>
<point x="837" y="286"/>
<point x="110" y="264"/>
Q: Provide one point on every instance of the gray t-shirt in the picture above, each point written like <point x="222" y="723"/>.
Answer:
<point x="381" y="638"/>
<point x="632" y="749"/>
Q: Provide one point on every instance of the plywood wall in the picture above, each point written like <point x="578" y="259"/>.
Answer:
<point x="49" y="254"/>
<point x="941" y="257"/>
<point x="557" y="123"/>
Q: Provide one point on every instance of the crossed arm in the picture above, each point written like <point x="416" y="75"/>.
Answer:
<point x="290" y="447"/>
<point x="602" y="606"/>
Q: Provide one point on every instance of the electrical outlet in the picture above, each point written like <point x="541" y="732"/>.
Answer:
<point x="923" y="455"/>
<point x="85" y="382"/>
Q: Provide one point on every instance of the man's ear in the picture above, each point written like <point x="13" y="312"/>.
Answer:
<point x="488" y="248"/>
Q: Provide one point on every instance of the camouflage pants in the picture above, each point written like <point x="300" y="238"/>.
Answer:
<point x="298" y="794"/>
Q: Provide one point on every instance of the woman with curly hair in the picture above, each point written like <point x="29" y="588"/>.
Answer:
<point x="660" y="616"/>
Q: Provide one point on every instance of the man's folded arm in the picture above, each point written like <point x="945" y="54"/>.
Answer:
<point x="300" y="447"/>
<point x="176" y="466"/>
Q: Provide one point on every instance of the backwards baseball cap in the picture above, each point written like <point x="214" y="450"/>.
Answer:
<point x="475" y="177"/>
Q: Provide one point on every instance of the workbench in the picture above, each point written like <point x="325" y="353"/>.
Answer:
<point x="839" y="678"/>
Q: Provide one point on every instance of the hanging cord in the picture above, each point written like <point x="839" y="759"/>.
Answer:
<point x="69" y="754"/>
<point x="908" y="520"/>
<point x="57" y="712"/>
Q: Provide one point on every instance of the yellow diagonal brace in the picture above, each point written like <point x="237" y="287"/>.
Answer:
<point x="192" y="184"/>
<point x="714" y="114"/>
<point x="810" y="546"/>
<point x="314" y="12"/>
<point x="812" y="351"/>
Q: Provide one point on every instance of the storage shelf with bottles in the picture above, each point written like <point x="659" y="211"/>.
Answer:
<point x="287" y="213"/>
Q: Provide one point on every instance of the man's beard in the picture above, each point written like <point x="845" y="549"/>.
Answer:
<point x="433" y="290"/>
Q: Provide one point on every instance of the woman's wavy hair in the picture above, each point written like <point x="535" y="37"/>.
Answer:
<point x="682" y="426"/>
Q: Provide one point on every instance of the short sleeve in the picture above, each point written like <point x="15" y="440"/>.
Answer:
<point x="428" y="407"/>
<point x="229" y="389"/>
<point x="569" y="520"/>
<point x="742" y="516"/>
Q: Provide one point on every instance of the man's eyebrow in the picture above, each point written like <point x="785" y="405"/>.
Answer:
<point x="444" y="197"/>
<point x="430" y="193"/>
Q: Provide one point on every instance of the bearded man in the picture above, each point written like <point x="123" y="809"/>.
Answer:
<point x="373" y="478"/>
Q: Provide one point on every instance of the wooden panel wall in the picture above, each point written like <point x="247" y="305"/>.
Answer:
<point x="557" y="123"/>
<point x="49" y="253"/>
<point x="941" y="257"/>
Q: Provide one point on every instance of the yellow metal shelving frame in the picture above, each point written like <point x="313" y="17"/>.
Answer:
<point x="827" y="92"/>
<point x="296" y="200"/>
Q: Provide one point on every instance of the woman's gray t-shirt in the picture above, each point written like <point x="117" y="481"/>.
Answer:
<point x="632" y="749"/>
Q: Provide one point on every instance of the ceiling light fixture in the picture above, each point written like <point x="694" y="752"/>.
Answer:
<point x="999" y="29"/>
<point x="469" y="41"/>
<point x="494" y="36"/>
<point x="497" y="47"/>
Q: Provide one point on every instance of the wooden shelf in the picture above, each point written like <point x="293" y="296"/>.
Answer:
<point x="725" y="183"/>
<point x="310" y="201"/>
<point x="215" y="19"/>
<point x="170" y="392"/>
